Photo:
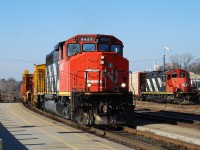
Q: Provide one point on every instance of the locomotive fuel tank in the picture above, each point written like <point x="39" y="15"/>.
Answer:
<point x="54" y="107"/>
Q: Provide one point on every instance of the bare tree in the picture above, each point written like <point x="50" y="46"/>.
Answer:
<point x="181" y="61"/>
<point x="9" y="88"/>
<point x="175" y="61"/>
<point x="195" y="66"/>
<point x="11" y="85"/>
<point x="2" y="85"/>
<point x="187" y="58"/>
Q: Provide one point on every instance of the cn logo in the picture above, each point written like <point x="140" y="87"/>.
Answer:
<point x="113" y="75"/>
<point x="61" y="68"/>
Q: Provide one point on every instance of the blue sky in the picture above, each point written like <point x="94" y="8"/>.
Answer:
<point x="29" y="29"/>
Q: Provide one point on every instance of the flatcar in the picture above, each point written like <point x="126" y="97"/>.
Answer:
<point x="85" y="79"/>
<point x="164" y="86"/>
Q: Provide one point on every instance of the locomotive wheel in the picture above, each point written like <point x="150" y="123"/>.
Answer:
<point x="84" y="118"/>
<point x="79" y="115"/>
<point x="90" y="118"/>
<point x="67" y="112"/>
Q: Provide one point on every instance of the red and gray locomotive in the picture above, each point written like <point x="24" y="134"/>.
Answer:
<point x="86" y="80"/>
<point x="164" y="86"/>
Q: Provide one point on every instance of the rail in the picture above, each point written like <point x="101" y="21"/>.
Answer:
<point x="169" y="119"/>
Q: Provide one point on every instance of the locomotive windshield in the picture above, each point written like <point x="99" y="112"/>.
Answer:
<point x="174" y="74"/>
<point x="93" y="44"/>
<point x="117" y="49"/>
<point x="114" y="48"/>
<point x="103" y="48"/>
<point x="73" y="49"/>
<point x="185" y="74"/>
<point x="89" y="47"/>
<point x="182" y="74"/>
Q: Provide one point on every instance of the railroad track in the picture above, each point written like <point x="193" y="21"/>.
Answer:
<point x="126" y="135"/>
<point x="168" y="118"/>
<point x="173" y="108"/>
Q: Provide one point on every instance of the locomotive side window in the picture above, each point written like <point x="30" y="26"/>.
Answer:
<point x="163" y="78"/>
<point x="103" y="47"/>
<point x="73" y="49"/>
<point x="89" y="47"/>
<point x="182" y="74"/>
<point x="154" y="75"/>
<point x="198" y="84"/>
<point x="61" y="54"/>
<point x="117" y="49"/>
<point x="187" y="75"/>
<point x="168" y="76"/>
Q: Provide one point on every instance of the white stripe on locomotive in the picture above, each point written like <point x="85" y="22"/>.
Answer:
<point x="149" y="85"/>
<point x="154" y="84"/>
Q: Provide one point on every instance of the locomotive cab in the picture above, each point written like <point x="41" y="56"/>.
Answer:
<point x="96" y="63"/>
<point x="178" y="80"/>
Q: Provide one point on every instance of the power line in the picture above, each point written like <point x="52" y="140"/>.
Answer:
<point x="145" y="60"/>
<point x="32" y="61"/>
<point x="17" y="60"/>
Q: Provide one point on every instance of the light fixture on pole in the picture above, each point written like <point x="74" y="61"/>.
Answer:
<point x="167" y="49"/>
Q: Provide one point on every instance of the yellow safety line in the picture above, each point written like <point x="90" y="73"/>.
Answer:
<point x="27" y="122"/>
<point x="49" y="123"/>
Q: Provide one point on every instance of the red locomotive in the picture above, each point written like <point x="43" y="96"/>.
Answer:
<point x="87" y="80"/>
<point x="164" y="86"/>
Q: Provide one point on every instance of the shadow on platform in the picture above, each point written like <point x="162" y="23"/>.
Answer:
<point x="9" y="141"/>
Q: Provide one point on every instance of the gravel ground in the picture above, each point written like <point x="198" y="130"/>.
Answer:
<point x="190" y="109"/>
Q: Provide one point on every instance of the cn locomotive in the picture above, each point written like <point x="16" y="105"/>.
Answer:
<point x="172" y="86"/>
<point x="85" y="79"/>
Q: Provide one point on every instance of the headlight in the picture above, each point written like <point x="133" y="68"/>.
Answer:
<point x="105" y="108"/>
<point x="89" y="84"/>
<point x="102" y="62"/>
<point x="102" y="56"/>
<point x="123" y="85"/>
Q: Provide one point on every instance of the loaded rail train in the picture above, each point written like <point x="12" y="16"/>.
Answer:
<point x="172" y="86"/>
<point x="85" y="79"/>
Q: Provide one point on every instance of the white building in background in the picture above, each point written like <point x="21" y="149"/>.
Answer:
<point x="195" y="80"/>
<point x="156" y="67"/>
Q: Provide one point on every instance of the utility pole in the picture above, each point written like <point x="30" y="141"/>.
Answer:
<point x="168" y="49"/>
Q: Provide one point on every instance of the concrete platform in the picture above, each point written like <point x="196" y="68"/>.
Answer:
<point x="190" y="135"/>
<point x="22" y="129"/>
